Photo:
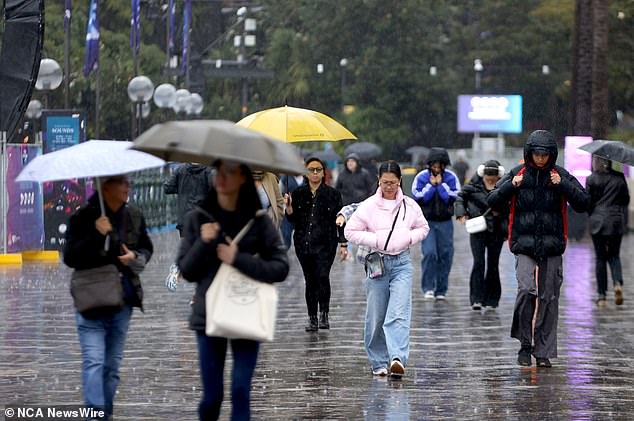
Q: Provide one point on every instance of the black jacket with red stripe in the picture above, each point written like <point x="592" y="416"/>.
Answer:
<point x="537" y="216"/>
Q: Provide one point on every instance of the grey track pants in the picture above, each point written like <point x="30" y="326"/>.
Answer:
<point x="543" y="295"/>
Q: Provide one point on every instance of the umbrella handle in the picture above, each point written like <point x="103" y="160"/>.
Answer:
<point x="106" y="245"/>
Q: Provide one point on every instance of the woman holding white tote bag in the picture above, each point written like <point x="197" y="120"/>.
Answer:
<point x="487" y="240"/>
<point x="230" y="205"/>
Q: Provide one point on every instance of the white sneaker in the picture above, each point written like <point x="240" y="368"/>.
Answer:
<point x="381" y="372"/>
<point x="440" y="297"/>
<point x="171" y="281"/>
<point x="396" y="369"/>
<point x="429" y="295"/>
<point x="476" y="306"/>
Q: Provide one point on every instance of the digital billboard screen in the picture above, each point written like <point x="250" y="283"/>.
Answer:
<point x="490" y="113"/>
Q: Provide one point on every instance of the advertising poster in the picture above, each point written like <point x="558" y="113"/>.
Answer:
<point x="490" y="114"/>
<point x="60" y="129"/>
<point x="25" y="226"/>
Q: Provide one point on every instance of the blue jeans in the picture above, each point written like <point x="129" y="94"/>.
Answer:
<point x="389" y="312"/>
<point x="437" y="249"/>
<point x="102" y="341"/>
<point x="287" y="228"/>
<point x="212" y="352"/>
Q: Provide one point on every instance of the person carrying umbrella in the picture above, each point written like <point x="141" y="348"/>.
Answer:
<point x="537" y="192"/>
<point x="102" y="331"/>
<point x="609" y="199"/>
<point x="229" y="206"/>
<point x="313" y="209"/>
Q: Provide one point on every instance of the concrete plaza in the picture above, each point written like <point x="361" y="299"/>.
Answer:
<point x="462" y="363"/>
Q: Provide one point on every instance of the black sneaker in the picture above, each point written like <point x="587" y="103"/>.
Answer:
<point x="543" y="362"/>
<point x="313" y="324"/>
<point x="524" y="357"/>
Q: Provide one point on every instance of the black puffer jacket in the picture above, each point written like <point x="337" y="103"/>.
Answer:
<point x="609" y="198"/>
<point x="355" y="186"/>
<point x="314" y="219"/>
<point x="472" y="202"/>
<point x="199" y="262"/>
<point x="537" y="219"/>
<point x="191" y="182"/>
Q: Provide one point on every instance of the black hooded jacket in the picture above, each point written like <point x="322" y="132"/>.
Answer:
<point x="355" y="186"/>
<point x="537" y="216"/>
<point x="609" y="197"/>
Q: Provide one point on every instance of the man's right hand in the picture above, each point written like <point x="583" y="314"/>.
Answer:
<point x="517" y="180"/>
<point x="103" y="225"/>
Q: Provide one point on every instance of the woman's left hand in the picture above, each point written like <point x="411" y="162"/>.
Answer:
<point x="227" y="252"/>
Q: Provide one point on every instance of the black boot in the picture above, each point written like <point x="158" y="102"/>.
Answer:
<point x="323" y="320"/>
<point x="312" y="325"/>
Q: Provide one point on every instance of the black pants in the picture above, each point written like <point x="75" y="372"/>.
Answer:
<point x="316" y="268"/>
<point x="606" y="250"/>
<point x="485" y="288"/>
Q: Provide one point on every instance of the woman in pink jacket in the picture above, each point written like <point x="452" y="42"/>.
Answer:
<point x="389" y="223"/>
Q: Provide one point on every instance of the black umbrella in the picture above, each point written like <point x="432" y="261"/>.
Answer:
<point x="365" y="150"/>
<point x="613" y="150"/>
<point x="324" y="155"/>
<point x="417" y="150"/>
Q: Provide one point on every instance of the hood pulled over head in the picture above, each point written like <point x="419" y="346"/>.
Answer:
<point x="541" y="141"/>
<point x="438" y="155"/>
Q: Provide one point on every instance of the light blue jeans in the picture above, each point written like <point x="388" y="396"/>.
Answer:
<point x="389" y="312"/>
<point x="102" y="341"/>
<point x="437" y="249"/>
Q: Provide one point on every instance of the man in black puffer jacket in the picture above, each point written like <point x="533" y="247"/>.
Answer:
<point x="537" y="193"/>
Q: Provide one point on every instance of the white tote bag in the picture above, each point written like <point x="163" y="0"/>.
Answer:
<point x="239" y="307"/>
<point x="477" y="224"/>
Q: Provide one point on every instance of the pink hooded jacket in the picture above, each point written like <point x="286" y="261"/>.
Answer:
<point x="371" y="223"/>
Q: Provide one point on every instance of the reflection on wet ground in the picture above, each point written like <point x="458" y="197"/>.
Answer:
<point x="462" y="363"/>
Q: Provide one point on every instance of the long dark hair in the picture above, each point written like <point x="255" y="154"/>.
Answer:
<point x="248" y="198"/>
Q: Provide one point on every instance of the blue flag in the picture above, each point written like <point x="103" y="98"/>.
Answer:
<point x="187" y="20"/>
<point x="91" y="58"/>
<point x="135" y="27"/>
<point x="68" y="9"/>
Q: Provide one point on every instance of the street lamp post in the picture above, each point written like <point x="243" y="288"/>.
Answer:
<point x="33" y="113"/>
<point x="196" y="104"/>
<point x="49" y="77"/>
<point x="478" y="68"/>
<point x="165" y="96"/>
<point x="343" y="63"/>
<point x="182" y="103"/>
<point x="247" y="39"/>
<point x="140" y="90"/>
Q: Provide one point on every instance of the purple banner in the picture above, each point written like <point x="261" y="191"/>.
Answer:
<point x="25" y="224"/>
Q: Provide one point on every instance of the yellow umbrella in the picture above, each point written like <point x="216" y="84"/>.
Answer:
<point x="292" y="124"/>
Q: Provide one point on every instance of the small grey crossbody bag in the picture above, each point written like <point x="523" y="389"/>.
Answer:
<point x="374" y="266"/>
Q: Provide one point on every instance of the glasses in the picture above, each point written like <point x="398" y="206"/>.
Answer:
<point x="314" y="170"/>
<point x="389" y="184"/>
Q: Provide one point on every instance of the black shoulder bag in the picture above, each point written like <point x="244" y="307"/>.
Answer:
<point x="373" y="263"/>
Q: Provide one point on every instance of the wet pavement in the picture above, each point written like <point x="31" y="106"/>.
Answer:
<point x="462" y="362"/>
